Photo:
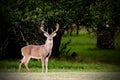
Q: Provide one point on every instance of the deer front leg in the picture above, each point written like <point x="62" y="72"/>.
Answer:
<point x="46" y="62"/>
<point x="43" y="61"/>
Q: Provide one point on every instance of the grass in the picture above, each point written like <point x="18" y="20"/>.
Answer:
<point x="89" y="58"/>
<point x="56" y="65"/>
<point x="85" y="47"/>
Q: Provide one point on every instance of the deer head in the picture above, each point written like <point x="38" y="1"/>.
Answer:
<point x="46" y="34"/>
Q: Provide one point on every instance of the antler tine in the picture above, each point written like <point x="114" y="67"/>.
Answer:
<point x="57" y="27"/>
<point x="42" y="23"/>
<point x="42" y="27"/>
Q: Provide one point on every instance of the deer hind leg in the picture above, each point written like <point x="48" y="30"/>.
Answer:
<point x="20" y="63"/>
<point x="71" y="30"/>
<point x="24" y="60"/>
<point x="26" y="63"/>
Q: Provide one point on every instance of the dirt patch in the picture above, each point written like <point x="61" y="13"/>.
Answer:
<point x="61" y="76"/>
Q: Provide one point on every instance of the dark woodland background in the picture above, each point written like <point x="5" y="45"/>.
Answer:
<point x="20" y="22"/>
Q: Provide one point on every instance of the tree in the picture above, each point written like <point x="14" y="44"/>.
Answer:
<point x="18" y="18"/>
<point x="21" y="19"/>
<point x="20" y="25"/>
<point x="103" y="17"/>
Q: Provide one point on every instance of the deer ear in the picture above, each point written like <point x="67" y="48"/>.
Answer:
<point x="46" y="35"/>
<point x="54" y="35"/>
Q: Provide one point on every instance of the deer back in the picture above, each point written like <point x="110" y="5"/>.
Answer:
<point x="34" y="51"/>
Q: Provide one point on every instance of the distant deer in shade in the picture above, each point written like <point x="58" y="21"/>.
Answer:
<point x="70" y="28"/>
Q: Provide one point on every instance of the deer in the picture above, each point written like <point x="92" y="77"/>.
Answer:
<point x="42" y="52"/>
<point x="70" y="28"/>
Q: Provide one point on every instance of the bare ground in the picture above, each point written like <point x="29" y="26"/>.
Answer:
<point x="60" y="76"/>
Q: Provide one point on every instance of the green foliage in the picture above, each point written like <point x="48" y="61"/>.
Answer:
<point x="102" y="12"/>
<point x="64" y="50"/>
<point x="25" y="16"/>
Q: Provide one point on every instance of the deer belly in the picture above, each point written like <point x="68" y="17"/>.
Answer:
<point x="35" y="57"/>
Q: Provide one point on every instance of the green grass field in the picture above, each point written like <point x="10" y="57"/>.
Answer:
<point x="89" y="58"/>
<point x="85" y="47"/>
<point x="56" y="65"/>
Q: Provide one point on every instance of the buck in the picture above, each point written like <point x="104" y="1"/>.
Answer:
<point x="42" y="52"/>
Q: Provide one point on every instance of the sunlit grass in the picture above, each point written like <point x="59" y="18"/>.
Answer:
<point x="85" y="46"/>
<point x="56" y="65"/>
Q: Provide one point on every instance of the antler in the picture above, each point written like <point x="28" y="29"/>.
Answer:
<point x="42" y="23"/>
<point x="57" y="27"/>
<point x="42" y="27"/>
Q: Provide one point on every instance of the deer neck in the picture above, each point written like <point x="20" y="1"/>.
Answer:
<point x="49" y="45"/>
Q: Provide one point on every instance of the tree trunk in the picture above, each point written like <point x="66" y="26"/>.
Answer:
<point x="105" y="37"/>
<point x="56" y="44"/>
